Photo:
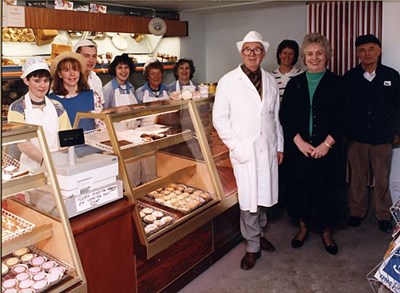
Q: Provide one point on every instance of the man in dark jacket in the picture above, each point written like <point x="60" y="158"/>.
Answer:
<point x="374" y="125"/>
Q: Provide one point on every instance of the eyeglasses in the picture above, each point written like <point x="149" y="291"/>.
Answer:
<point x="256" y="51"/>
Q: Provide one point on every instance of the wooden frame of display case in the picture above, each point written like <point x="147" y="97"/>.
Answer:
<point x="182" y="168"/>
<point x="51" y="235"/>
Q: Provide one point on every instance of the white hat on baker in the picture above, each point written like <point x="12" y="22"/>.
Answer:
<point x="33" y="64"/>
<point x="83" y="43"/>
<point x="252" y="37"/>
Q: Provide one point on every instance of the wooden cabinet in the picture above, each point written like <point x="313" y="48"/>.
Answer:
<point x="67" y="20"/>
<point x="104" y="238"/>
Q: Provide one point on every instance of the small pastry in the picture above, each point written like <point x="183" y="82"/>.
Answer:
<point x="22" y="276"/>
<point x="6" y="37"/>
<point x="149" y="219"/>
<point x="159" y="223"/>
<point x="150" y="228"/>
<point x="170" y="188"/>
<point x="20" y="252"/>
<point x="53" y="277"/>
<point x="189" y="190"/>
<point x="178" y="192"/>
<point x="19" y="268"/>
<point x="166" y="192"/>
<point x="26" y="258"/>
<point x="158" y="214"/>
<point x="160" y="200"/>
<point x="26" y="284"/>
<point x="34" y="270"/>
<point x="167" y="219"/>
<point x="48" y="265"/>
<point x="141" y="214"/>
<point x="57" y="269"/>
<point x="147" y="211"/>
<point x="40" y="285"/>
<point x="12" y="261"/>
<point x="10" y="283"/>
<point x="39" y="276"/>
<point x="173" y="185"/>
<point x="4" y="268"/>
<point x="14" y="37"/>
<point x="38" y="261"/>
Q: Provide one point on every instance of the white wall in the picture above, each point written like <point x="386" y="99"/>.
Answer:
<point x="391" y="36"/>
<point x="216" y="48"/>
<point x="194" y="46"/>
<point x="223" y="30"/>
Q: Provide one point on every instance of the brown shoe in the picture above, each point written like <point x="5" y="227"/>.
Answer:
<point x="249" y="260"/>
<point x="266" y="245"/>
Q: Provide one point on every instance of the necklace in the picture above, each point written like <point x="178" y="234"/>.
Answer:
<point x="155" y="92"/>
<point x="41" y="103"/>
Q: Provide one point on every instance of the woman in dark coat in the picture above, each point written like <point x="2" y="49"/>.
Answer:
<point x="312" y="118"/>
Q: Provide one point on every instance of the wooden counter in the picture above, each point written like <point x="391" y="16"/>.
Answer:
<point x="104" y="238"/>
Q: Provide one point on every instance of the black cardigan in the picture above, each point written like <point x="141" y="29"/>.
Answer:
<point x="373" y="107"/>
<point x="328" y="109"/>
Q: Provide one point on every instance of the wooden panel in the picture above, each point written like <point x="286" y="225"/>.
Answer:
<point x="226" y="226"/>
<point x="158" y="272"/>
<point x="67" y="20"/>
<point x="104" y="238"/>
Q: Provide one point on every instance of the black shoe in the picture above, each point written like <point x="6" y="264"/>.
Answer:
<point x="249" y="260"/>
<point x="385" y="226"/>
<point x="266" y="245"/>
<point x="354" y="221"/>
<point x="332" y="249"/>
<point x="297" y="243"/>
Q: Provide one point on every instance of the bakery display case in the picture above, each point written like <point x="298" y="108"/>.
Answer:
<point x="167" y="167"/>
<point x="38" y="250"/>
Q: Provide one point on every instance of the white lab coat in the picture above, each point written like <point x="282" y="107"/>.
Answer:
<point x="250" y="128"/>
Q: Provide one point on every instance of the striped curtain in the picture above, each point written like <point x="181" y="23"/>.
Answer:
<point x="342" y="22"/>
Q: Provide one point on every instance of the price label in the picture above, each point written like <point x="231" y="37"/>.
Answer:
<point x="96" y="198"/>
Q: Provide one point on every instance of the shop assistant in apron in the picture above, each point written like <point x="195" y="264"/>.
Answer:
<point x="83" y="102"/>
<point x="48" y="119"/>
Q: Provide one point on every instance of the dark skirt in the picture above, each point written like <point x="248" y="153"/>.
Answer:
<point x="316" y="187"/>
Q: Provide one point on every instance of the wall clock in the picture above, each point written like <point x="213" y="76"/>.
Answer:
<point x="157" y="26"/>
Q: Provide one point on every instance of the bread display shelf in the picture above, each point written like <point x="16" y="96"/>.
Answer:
<point x="13" y="226"/>
<point x="38" y="271"/>
<point x="36" y="234"/>
<point x="21" y="184"/>
<point x="131" y="143"/>
<point x="11" y="168"/>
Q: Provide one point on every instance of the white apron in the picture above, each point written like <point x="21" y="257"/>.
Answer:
<point x="178" y="87"/>
<point x="124" y="99"/>
<point x="146" y="98"/>
<point x="48" y="119"/>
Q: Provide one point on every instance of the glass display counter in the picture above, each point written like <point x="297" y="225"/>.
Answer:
<point x="38" y="249"/>
<point x="176" y="181"/>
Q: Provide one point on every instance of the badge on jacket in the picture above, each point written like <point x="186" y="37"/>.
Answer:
<point x="387" y="83"/>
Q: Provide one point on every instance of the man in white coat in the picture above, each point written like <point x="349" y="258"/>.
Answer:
<point x="245" y="115"/>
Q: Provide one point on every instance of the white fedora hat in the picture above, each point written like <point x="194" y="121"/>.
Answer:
<point x="251" y="37"/>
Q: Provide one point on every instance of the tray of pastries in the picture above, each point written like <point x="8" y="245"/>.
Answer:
<point x="13" y="226"/>
<point x="22" y="35"/>
<point x="29" y="268"/>
<point x="180" y="197"/>
<point x="154" y="219"/>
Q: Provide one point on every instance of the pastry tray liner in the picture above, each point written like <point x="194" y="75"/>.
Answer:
<point x="142" y="205"/>
<point x="68" y="270"/>
<point x="25" y="226"/>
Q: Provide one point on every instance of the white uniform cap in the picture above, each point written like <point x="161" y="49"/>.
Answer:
<point x="252" y="37"/>
<point x="83" y="43"/>
<point x="33" y="64"/>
